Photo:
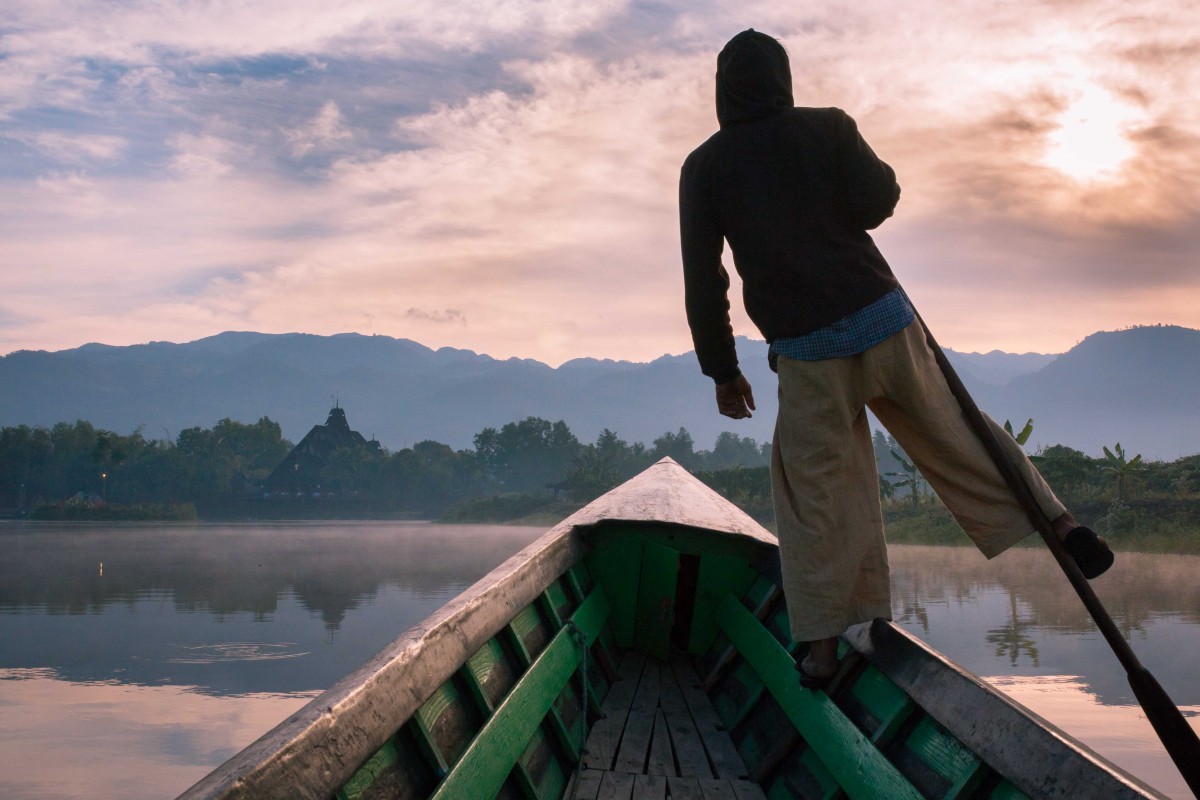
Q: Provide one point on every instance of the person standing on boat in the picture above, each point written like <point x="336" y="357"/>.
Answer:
<point x="795" y="191"/>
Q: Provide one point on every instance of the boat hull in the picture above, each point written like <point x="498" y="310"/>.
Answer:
<point x="641" y="649"/>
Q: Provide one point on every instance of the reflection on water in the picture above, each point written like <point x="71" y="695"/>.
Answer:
<point x="1016" y="621"/>
<point x="66" y="739"/>
<point x="189" y="642"/>
<point x="235" y="651"/>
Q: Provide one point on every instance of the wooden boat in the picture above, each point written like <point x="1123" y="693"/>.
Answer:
<point x="640" y="649"/>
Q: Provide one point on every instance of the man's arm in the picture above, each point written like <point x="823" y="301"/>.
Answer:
<point x="871" y="188"/>
<point x="706" y="283"/>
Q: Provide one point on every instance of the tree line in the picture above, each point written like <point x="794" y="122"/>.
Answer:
<point x="220" y="470"/>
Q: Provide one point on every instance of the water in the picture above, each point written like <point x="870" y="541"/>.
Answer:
<point x="133" y="659"/>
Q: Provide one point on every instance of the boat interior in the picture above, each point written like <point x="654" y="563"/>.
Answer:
<point x="687" y="690"/>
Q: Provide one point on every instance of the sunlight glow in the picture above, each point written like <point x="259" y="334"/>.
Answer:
<point x="1090" y="142"/>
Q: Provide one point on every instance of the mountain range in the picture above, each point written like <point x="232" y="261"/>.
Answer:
<point x="1136" y="386"/>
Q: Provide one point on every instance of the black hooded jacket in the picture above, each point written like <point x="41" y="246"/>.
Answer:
<point x="794" y="192"/>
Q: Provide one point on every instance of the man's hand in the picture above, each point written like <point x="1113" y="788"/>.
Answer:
<point x="735" y="399"/>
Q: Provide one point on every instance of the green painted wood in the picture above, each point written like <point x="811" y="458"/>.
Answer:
<point x="427" y="746"/>
<point x="969" y="781"/>
<point x="547" y="780"/>
<point x="718" y="577"/>
<point x="531" y="631"/>
<point x="824" y="778"/>
<point x="1006" y="791"/>
<point x="366" y="774"/>
<point x="487" y="761"/>
<point x="656" y="600"/>
<point x="615" y="562"/>
<point x="558" y="604"/>
<point x="941" y="751"/>
<point x="886" y="701"/>
<point x="759" y="599"/>
<point x="861" y="769"/>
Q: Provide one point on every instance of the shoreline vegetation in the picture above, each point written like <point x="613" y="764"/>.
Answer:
<point x="531" y="471"/>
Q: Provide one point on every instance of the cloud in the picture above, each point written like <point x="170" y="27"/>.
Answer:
<point x="185" y="168"/>
<point x="327" y="128"/>
<point x="440" y="316"/>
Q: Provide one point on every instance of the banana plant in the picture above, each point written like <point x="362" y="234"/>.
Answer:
<point x="909" y="477"/>
<point x="1025" y="433"/>
<point x="1121" y="466"/>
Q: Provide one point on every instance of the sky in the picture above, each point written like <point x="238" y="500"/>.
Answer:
<point x="502" y="176"/>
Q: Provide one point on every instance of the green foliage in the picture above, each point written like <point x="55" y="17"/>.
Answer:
<point x="1121" y="467"/>
<point x="528" y="467"/>
<point x="526" y="455"/>
<point x="1025" y="433"/>
<point x="747" y="487"/>
<point x="221" y="469"/>
<point x="910" y="478"/>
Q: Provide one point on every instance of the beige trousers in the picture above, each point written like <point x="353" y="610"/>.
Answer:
<point x="826" y="489"/>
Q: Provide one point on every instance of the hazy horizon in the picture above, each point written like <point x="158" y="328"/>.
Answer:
<point x="554" y="364"/>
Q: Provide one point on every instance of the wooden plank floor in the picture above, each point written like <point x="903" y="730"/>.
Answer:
<point x="658" y="737"/>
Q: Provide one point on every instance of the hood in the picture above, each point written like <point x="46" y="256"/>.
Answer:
<point x="754" y="78"/>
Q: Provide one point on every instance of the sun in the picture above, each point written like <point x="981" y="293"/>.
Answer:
<point x="1091" y="142"/>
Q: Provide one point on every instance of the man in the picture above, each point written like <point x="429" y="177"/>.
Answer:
<point x="794" y="192"/>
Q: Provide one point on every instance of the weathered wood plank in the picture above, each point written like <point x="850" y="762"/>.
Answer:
<point x="605" y="736"/>
<point x="649" y="787"/>
<point x="588" y="784"/>
<point x="635" y="740"/>
<point x="726" y="760"/>
<point x="661" y="760"/>
<point x="862" y="770"/>
<point x="684" y="788"/>
<point x="689" y="748"/>
<point x="748" y="790"/>
<point x="716" y="789"/>
<point x="616" y="786"/>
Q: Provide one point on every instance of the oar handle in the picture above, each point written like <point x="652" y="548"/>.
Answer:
<point x="1177" y="736"/>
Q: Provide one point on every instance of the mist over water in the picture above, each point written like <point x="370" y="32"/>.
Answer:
<point x="152" y="653"/>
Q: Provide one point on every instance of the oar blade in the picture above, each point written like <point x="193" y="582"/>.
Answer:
<point x="1178" y="737"/>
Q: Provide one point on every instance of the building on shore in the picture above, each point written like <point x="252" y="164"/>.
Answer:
<point x="300" y="473"/>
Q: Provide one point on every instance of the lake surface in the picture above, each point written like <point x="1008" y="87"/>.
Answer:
<point x="133" y="659"/>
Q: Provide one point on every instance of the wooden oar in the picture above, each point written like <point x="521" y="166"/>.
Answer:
<point x="1177" y="736"/>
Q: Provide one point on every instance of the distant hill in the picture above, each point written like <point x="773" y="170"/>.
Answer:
<point x="1135" y="386"/>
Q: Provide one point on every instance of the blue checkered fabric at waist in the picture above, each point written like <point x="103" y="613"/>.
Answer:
<point x="853" y="333"/>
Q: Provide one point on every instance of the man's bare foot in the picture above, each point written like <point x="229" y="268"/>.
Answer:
<point x="820" y="664"/>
